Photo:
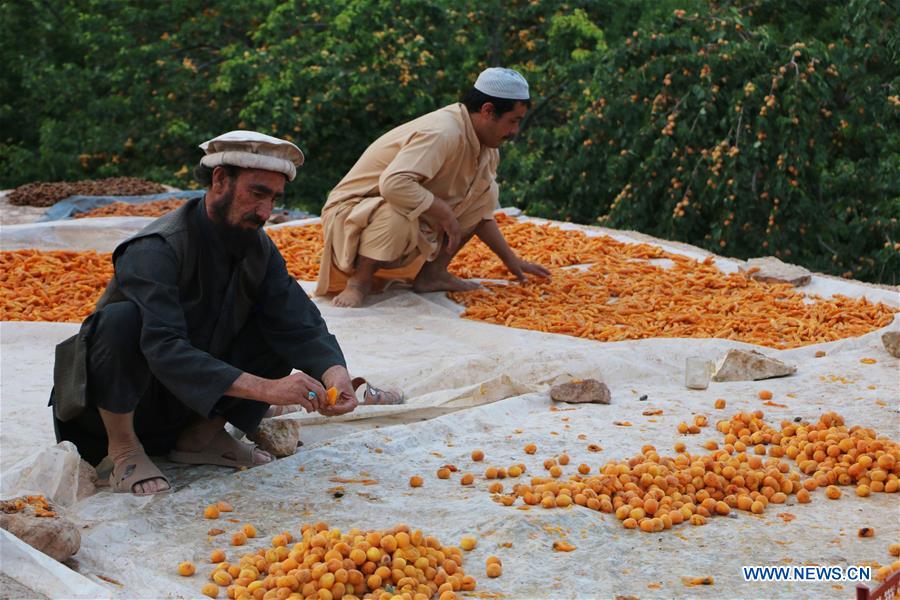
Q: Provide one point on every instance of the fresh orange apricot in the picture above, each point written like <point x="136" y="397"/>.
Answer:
<point x="720" y="403"/>
<point x="833" y="492"/>
<point x="467" y="479"/>
<point x="331" y="396"/>
<point x="765" y="395"/>
<point x="494" y="570"/>
<point x="530" y="449"/>
<point x="415" y="481"/>
<point x="210" y="589"/>
<point x="477" y="455"/>
<point x="186" y="569"/>
<point x="468" y="542"/>
<point x="443" y="473"/>
<point x="563" y="459"/>
<point x="249" y="530"/>
<point x="217" y="556"/>
<point x="211" y="512"/>
<point x="239" y="539"/>
<point x="584" y="469"/>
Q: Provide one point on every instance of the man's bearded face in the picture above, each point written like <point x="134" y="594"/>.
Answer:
<point x="245" y="205"/>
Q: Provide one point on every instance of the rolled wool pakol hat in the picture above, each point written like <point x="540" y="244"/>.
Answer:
<point x="252" y="150"/>
<point x="502" y="83"/>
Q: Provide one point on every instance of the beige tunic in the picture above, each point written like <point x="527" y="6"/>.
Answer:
<point x="377" y="209"/>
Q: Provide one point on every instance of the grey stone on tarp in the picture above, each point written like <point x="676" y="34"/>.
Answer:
<point x="87" y="480"/>
<point x="278" y="437"/>
<point x="57" y="537"/>
<point x="772" y="270"/>
<point x="891" y="341"/>
<point x="579" y="392"/>
<point x="750" y="365"/>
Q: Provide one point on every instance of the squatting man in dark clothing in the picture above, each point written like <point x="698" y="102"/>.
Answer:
<point x="201" y="325"/>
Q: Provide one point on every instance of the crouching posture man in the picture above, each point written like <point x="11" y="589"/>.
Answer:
<point x="201" y="325"/>
<point x="420" y="192"/>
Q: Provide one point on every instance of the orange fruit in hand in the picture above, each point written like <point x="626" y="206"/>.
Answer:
<point x="331" y="396"/>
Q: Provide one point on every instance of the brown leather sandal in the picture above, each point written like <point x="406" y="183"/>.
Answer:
<point x="372" y="396"/>
<point x="135" y="469"/>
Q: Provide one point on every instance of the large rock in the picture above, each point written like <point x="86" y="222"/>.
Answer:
<point x="772" y="270"/>
<point x="579" y="392"/>
<point x="750" y="365"/>
<point x="891" y="341"/>
<point x="55" y="536"/>
<point x="278" y="437"/>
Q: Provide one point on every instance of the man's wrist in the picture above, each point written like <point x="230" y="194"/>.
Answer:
<point x="332" y="372"/>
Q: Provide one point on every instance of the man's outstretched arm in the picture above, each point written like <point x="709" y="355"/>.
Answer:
<point x="489" y="233"/>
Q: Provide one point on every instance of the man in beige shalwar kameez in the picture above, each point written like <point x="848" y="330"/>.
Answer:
<point x="420" y="192"/>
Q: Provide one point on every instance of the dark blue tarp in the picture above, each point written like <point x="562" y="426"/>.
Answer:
<point x="69" y="207"/>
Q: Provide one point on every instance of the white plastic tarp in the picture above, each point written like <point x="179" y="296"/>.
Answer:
<point x="491" y="381"/>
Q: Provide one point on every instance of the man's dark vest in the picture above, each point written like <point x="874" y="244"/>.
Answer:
<point x="70" y="370"/>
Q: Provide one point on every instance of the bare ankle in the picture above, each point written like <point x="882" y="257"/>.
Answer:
<point x="120" y="449"/>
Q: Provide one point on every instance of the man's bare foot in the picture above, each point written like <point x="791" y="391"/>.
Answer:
<point x="351" y="297"/>
<point x="442" y="282"/>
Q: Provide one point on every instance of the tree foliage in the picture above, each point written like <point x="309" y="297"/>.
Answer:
<point x="749" y="128"/>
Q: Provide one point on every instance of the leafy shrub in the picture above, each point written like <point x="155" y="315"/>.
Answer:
<point x="749" y="128"/>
